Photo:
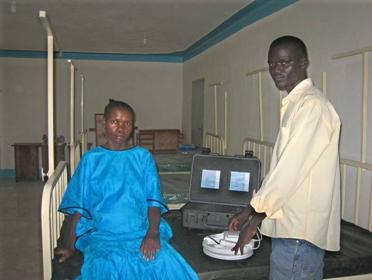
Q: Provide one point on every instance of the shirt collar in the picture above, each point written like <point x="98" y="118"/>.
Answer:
<point x="296" y="93"/>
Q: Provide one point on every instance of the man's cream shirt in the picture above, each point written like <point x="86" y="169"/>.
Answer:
<point x="301" y="193"/>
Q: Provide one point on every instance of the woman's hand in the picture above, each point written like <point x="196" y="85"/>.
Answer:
<point x="150" y="245"/>
<point x="63" y="253"/>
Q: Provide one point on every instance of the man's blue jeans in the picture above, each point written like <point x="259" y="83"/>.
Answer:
<point x="294" y="259"/>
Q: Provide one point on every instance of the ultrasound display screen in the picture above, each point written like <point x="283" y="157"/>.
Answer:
<point x="210" y="179"/>
<point x="239" y="181"/>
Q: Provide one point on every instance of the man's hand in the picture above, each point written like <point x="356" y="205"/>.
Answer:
<point x="63" y="253"/>
<point x="246" y="234"/>
<point x="247" y="230"/>
<point x="240" y="218"/>
<point x="150" y="245"/>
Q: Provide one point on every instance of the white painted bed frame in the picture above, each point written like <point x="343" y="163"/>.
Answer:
<point x="362" y="165"/>
<point x="214" y="141"/>
<point x="51" y="219"/>
<point x="50" y="222"/>
<point x="51" y="42"/>
<point x="263" y="151"/>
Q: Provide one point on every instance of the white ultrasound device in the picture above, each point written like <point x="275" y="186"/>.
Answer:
<point x="219" y="246"/>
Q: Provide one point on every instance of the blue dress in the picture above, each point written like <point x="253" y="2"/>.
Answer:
<point x="112" y="190"/>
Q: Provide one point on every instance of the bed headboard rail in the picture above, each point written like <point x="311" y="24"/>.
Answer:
<point x="262" y="150"/>
<point x="216" y="143"/>
<point x="51" y="219"/>
<point x="75" y="155"/>
<point x="356" y="190"/>
<point x="356" y="183"/>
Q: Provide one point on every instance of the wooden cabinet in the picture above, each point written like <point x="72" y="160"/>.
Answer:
<point x="27" y="161"/>
<point x="160" y="140"/>
<point x="26" y="158"/>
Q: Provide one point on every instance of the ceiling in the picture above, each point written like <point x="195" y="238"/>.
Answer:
<point x="113" y="26"/>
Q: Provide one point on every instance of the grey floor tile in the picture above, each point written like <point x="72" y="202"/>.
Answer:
<point x="20" y="235"/>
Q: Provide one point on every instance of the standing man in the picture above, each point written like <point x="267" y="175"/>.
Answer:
<point x="299" y="200"/>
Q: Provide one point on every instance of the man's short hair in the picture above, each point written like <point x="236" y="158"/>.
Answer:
<point x="297" y="43"/>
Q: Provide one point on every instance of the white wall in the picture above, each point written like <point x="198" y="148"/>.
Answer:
<point x="1" y="112"/>
<point x="327" y="27"/>
<point x="23" y="109"/>
<point x="153" y="89"/>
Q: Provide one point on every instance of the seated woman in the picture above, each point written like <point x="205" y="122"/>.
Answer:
<point x="116" y="204"/>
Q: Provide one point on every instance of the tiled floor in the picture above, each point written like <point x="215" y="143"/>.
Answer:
<point x="20" y="235"/>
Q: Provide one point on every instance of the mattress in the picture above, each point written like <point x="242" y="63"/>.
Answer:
<point x="176" y="162"/>
<point x="354" y="258"/>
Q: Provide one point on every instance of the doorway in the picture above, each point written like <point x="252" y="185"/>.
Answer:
<point x="197" y="113"/>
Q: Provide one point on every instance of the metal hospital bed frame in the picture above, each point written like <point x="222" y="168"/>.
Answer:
<point x="51" y="219"/>
<point x="263" y="151"/>
<point x="214" y="141"/>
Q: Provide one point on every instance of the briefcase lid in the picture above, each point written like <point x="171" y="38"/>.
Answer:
<point x="225" y="180"/>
